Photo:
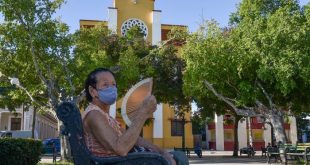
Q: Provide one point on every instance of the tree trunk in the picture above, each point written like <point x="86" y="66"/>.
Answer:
<point x="236" y="140"/>
<point x="250" y="131"/>
<point x="65" y="145"/>
<point x="33" y="121"/>
<point x="278" y="127"/>
<point x="63" y="153"/>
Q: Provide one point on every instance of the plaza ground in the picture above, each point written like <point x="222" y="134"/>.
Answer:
<point x="226" y="158"/>
<point x="212" y="157"/>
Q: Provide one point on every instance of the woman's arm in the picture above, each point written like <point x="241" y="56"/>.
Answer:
<point x="108" y="137"/>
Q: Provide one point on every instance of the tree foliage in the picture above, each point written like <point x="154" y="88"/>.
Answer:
<point x="259" y="64"/>
<point x="35" y="48"/>
<point x="132" y="60"/>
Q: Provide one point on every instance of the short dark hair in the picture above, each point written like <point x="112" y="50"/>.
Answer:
<point x="92" y="81"/>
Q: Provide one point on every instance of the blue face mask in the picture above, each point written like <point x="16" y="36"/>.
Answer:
<point x="108" y="95"/>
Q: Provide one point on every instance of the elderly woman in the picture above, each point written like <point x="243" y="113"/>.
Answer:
<point x="103" y="134"/>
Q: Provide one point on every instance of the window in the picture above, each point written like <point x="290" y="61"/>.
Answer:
<point x="88" y="26"/>
<point x="176" y="128"/>
<point x="16" y="123"/>
<point x="127" y="25"/>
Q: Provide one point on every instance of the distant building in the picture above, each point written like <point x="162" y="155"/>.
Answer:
<point x="45" y="125"/>
<point x="221" y="133"/>
<point x="166" y="128"/>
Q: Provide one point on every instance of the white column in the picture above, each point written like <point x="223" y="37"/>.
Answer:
<point x="267" y="134"/>
<point x="293" y="130"/>
<point x="242" y="136"/>
<point x="112" y="110"/>
<point x="28" y="119"/>
<point x="219" y="132"/>
<point x="158" y="122"/>
<point x="112" y="19"/>
<point x="156" y="27"/>
<point x="250" y="131"/>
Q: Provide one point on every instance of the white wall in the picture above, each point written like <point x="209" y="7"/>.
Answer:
<point x="156" y="27"/>
<point x="219" y="132"/>
<point x="158" y="122"/>
<point x="112" y="19"/>
<point x="242" y="134"/>
<point x="293" y="130"/>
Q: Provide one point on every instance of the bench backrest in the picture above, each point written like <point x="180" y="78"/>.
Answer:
<point x="70" y="115"/>
<point x="303" y="144"/>
<point x="272" y="149"/>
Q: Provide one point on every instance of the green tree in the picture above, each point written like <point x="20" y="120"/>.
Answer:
<point x="258" y="66"/>
<point x="273" y="37"/>
<point x="132" y="59"/>
<point x="35" y="49"/>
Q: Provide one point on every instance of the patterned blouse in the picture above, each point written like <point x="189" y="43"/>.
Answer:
<point x="91" y="142"/>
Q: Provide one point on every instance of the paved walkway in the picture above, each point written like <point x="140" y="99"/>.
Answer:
<point x="48" y="159"/>
<point x="225" y="158"/>
<point x="211" y="157"/>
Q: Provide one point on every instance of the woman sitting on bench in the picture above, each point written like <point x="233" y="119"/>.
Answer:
<point x="103" y="135"/>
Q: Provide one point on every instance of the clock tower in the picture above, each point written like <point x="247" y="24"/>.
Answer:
<point x="128" y="13"/>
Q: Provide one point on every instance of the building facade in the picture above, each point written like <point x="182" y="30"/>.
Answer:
<point x="165" y="129"/>
<point x="220" y="134"/>
<point x="45" y="124"/>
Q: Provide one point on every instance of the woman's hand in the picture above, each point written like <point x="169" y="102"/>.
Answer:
<point x="148" y="106"/>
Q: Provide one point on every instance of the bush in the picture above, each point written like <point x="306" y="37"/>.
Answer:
<point x="20" y="151"/>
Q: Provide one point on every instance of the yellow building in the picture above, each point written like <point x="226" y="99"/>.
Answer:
<point x="166" y="128"/>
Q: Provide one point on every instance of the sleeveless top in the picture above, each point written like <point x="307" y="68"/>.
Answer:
<point x="91" y="142"/>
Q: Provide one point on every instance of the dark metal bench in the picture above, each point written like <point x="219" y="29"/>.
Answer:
<point x="264" y="151"/>
<point x="70" y="115"/>
<point x="248" y="151"/>
<point x="297" y="154"/>
<point x="273" y="153"/>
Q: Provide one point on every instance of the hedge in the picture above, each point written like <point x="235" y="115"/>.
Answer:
<point x="20" y="151"/>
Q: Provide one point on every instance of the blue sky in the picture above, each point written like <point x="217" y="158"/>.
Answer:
<point x="184" y="12"/>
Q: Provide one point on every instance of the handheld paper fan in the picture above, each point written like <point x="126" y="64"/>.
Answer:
<point x="134" y="97"/>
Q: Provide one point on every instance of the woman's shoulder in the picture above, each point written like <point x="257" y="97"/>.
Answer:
<point x="91" y="108"/>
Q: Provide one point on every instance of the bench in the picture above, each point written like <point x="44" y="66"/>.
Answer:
<point x="70" y="115"/>
<point x="273" y="153"/>
<point x="297" y="153"/>
<point x="302" y="146"/>
<point x="248" y="151"/>
<point x="264" y="151"/>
